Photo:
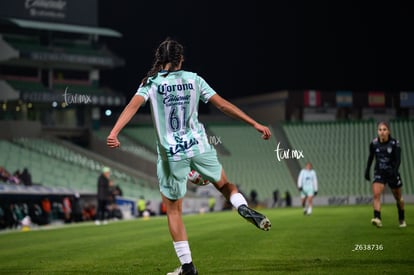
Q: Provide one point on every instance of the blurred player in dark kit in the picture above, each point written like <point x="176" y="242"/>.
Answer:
<point x="387" y="153"/>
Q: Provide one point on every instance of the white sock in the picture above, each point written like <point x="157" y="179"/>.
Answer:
<point x="182" y="249"/>
<point x="237" y="200"/>
<point x="310" y="210"/>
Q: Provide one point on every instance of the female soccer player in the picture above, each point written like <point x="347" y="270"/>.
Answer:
<point x="182" y="142"/>
<point x="308" y="187"/>
<point x="387" y="154"/>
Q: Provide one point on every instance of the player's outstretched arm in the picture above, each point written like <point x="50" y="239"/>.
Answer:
<point x="233" y="111"/>
<point x="126" y="115"/>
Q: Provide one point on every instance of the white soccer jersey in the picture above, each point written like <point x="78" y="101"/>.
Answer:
<point x="307" y="180"/>
<point x="174" y="106"/>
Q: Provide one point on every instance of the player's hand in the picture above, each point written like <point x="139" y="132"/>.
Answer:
<point x="300" y="189"/>
<point x="367" y="177"/>
<point x="266" y="134"/>
<point x="112" y="141"/>
<point x="315" y="193"/>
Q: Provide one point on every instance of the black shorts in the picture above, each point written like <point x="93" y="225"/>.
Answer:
<point x="393" y="181"/>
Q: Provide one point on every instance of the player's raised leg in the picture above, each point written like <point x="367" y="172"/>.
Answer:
<point x="232" y="194"/>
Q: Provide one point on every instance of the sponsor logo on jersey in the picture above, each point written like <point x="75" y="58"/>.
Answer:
<point x="182" y="145"/>
<point x="165" y="88"/>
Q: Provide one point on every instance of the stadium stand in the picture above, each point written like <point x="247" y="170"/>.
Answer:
<point x="404" y="131"/>
<point x="135" y="144"/>
<point x="26" y="85"/>
<point x="54" y="165"/>
<point x="144" y="134"/>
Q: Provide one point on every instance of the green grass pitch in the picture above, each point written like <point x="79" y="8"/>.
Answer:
<point x="221" y="243"/>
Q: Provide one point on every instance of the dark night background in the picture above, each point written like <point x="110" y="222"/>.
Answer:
<point x="254" y="47"/>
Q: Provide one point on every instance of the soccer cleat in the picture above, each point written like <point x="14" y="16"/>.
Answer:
<point x="377" y="222"/>
<point x="259" y="220"/>
<point x="182" y="270"/>
<point x="177" y="271"/>
<point x="403" y="224"/>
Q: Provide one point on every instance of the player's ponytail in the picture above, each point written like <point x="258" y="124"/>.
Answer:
<point x="169" y="51"/>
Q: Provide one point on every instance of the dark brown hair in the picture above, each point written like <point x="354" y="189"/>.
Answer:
<point x="384" y="123"/>
<point x="169" y="51"/>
